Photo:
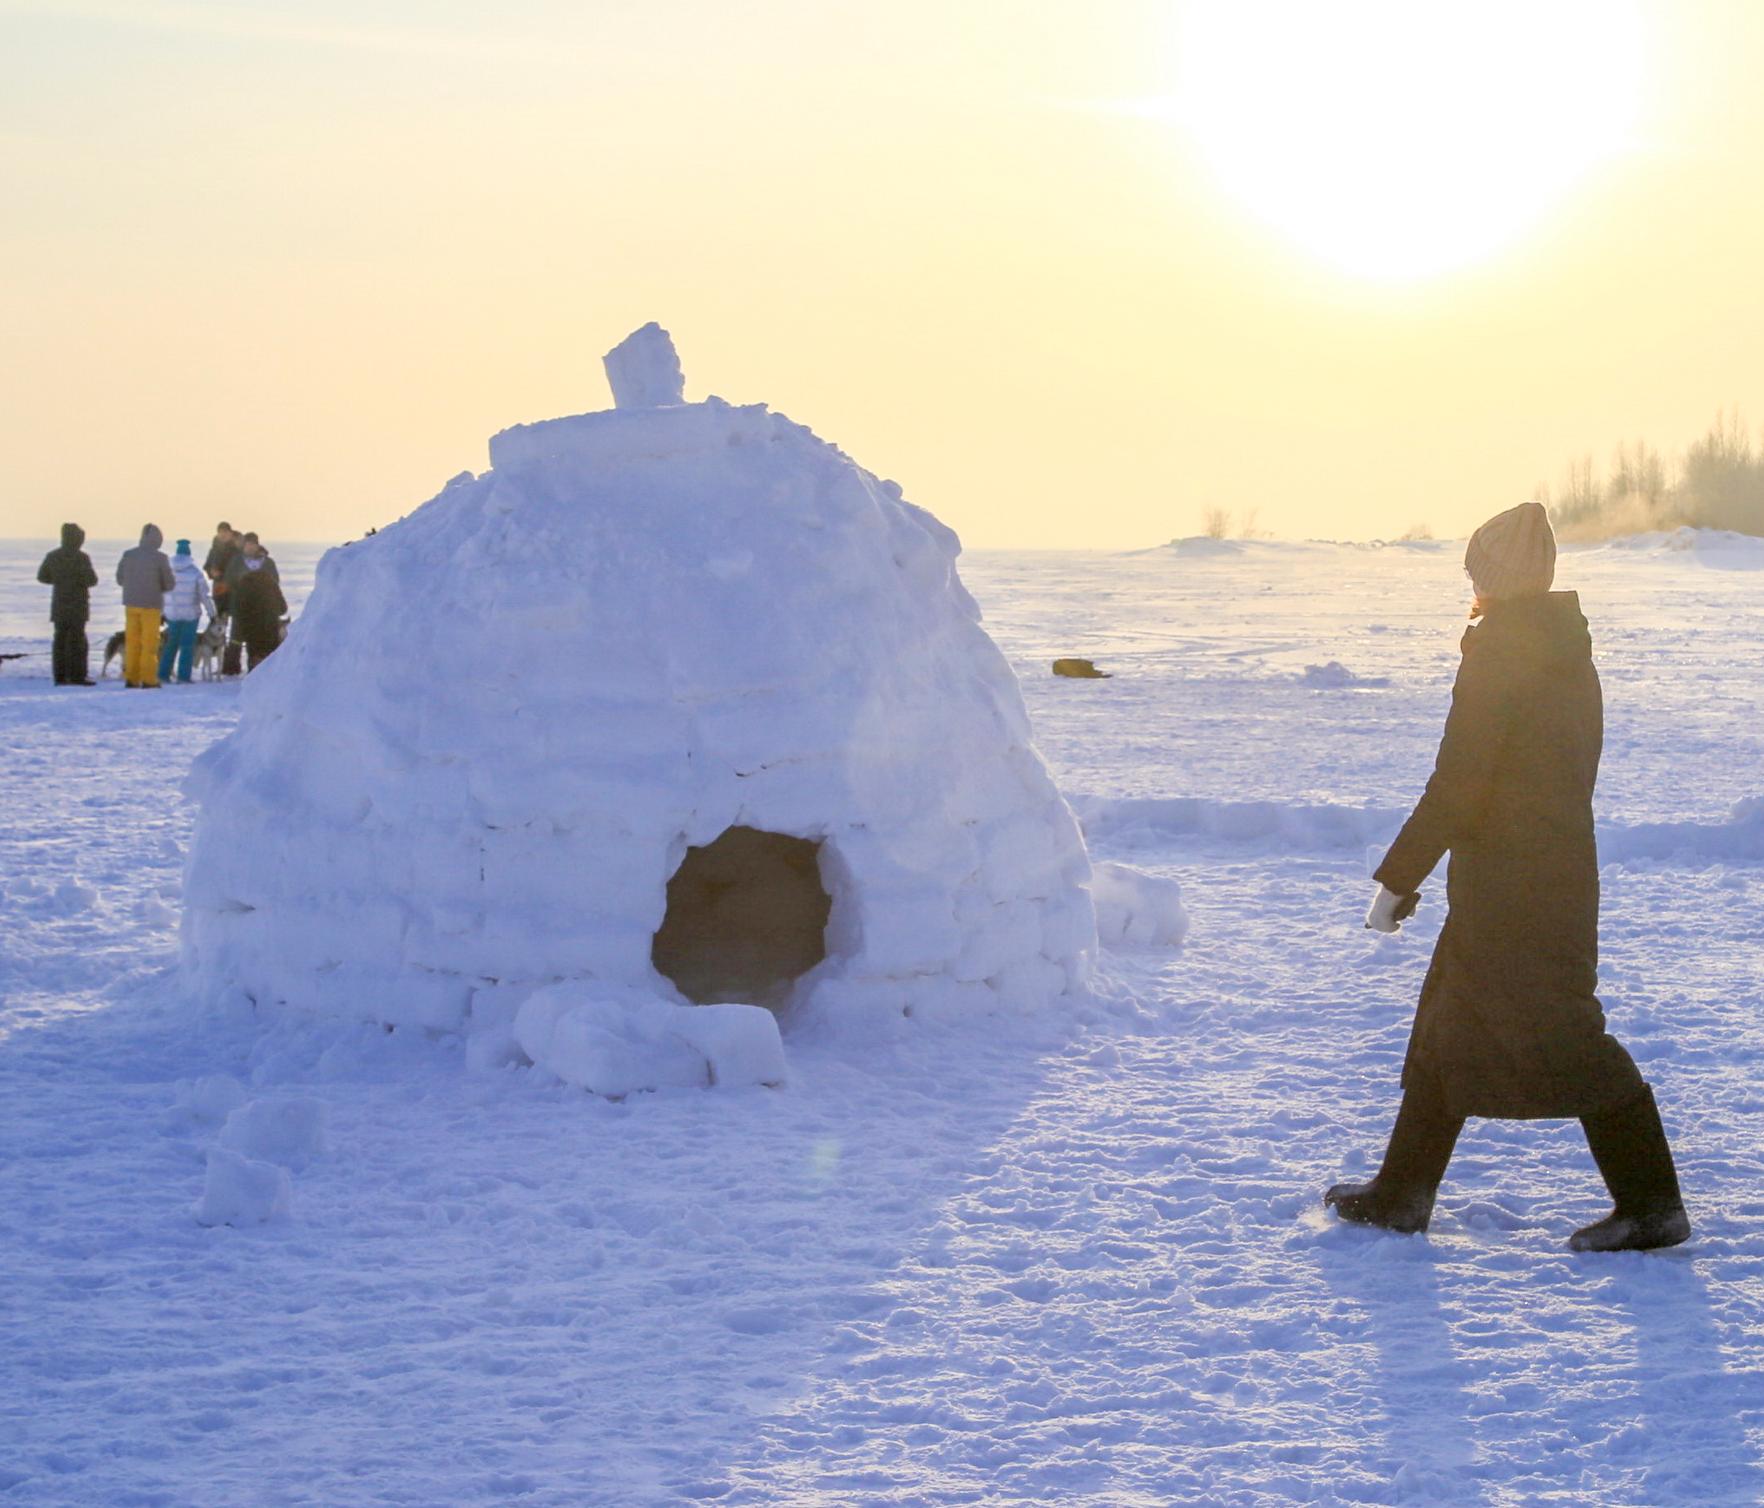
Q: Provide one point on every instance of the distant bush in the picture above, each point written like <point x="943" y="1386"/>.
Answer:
<point x="1415" y="534"/>
<point x="1719" y="485"/>
<point x="1217" y="523"/>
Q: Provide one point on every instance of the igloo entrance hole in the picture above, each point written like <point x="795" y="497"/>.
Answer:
<point x="746" y="918"/>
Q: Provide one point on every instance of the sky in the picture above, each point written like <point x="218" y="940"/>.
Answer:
<point x="1073" y="272"/>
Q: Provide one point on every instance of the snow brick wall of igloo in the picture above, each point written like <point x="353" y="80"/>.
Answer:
<point x="675" y="706"/>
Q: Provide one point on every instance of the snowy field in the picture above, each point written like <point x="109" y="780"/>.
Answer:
<point x="1074" y="1260"/>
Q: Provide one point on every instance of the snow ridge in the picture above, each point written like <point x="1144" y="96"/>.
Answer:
<point x="1320" y="826"/>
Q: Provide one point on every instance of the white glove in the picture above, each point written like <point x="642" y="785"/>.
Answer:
<point x="1383" y="915"/>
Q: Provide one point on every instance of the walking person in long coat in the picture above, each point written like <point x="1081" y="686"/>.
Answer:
<point x="69" y="571"/>
<point x="145" y="576"/>
<point x="1509" y="1024"/>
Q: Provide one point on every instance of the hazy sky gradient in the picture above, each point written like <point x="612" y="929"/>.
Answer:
<point x="294" y="263"/>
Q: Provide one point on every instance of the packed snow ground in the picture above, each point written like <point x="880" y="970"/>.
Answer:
<point x="1071" y="1260"/>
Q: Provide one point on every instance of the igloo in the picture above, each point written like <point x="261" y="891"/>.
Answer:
<point x="674" y="721"/>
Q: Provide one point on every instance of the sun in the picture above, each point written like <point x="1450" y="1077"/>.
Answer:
<point x="1401" y="139"/>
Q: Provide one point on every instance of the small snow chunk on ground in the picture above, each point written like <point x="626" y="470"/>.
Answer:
<point x="740" y="1042"/>
<point x="493" y="1048"/>
<point x="153" y="912"/>
<point x="242" y="1191"/>
<point x="491" y="1043"/>
<point x="608" y="1040"/>
<point x="1337" y="677"/>
<point x="290" y="1131"/>
<point x="71" y="897"/>
<point x="644" y="370"/>
<point x="1135" y="909"/>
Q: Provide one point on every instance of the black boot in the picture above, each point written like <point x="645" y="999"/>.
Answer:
<point x="1400" y="1198"/>
<point x="1629" y="1145"/>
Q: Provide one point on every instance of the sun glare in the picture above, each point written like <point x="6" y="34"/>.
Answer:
<point x="1399" y="139"/>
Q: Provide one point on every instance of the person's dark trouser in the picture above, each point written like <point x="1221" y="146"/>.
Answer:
<point x="1423" y="1138"/>
<point x="1400" y="1196"/>
<point x="72" y="654"/>
<point x="1629" y="1145"/>
<point x="258" y="650"/>
<point x="232" y="657"/>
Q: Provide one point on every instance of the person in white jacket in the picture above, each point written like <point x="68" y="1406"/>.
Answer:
<point x="185" y="604"/>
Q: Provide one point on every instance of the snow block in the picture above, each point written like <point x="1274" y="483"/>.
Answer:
<point x="287" y="1131"/>
<point x="241" y="1191"/>
<point x="740" y="1042"/>
<point x="645" y="371"/>
<point x="1137" y="910"/>
<point x="614" y="1043"/>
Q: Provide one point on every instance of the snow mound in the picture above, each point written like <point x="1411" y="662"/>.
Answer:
<point x="288" y="1131"/>
<point x="1740" y="839"/>
<point x="1723" y="549"/>
<point x="1202" y="547"/>
<point x="1419" y="546"/>
<point x="1135" y="909"/>
<point x="1301" y="828"/>
<point x="703" y="714"/>
<point x="241" y="1191"/>
<point x="1287" y="825"/>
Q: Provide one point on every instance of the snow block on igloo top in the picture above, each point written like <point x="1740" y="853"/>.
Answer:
<point x="702" y="715"/>
<point x="645" y="371"/>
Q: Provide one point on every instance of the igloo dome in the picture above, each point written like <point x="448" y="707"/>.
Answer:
<point x="675" y="706"/>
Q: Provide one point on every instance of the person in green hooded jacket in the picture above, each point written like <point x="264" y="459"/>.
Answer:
<point x="69" y="572"/>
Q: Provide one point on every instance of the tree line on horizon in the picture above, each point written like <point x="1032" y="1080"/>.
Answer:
<point x="1718" y="484"/>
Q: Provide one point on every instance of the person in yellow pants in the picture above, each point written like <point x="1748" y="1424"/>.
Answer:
<point x="145" y="576"/>
<point x="141" y="646"/>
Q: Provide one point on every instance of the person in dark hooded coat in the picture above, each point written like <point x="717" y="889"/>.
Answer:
<point x="258" y="603"/>
<point x="145" y="576"/>
<point x="223" y="550"/>
<point x="69" y="571"/>
<point x="1509" y="1024"/>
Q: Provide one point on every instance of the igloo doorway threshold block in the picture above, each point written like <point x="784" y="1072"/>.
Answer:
<point x="673" y="724"/>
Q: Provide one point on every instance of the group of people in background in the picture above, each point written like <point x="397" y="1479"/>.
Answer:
<point x="164" y="600"/>
<point x="247" y="595"/>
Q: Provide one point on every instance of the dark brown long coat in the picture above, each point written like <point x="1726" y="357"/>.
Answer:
<point x="1509" y="1021"/>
